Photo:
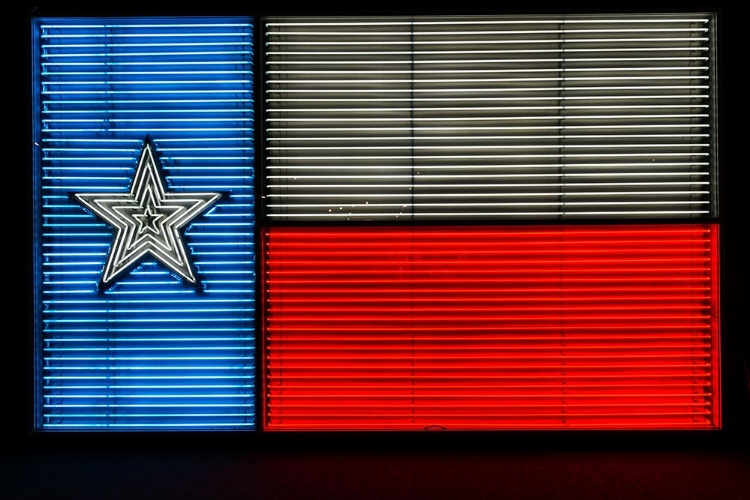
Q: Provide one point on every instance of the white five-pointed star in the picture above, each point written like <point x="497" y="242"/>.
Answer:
<point x="147" y="220"/>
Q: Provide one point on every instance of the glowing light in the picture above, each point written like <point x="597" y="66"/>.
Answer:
<point x="147" y="220"/>
<point x="492" y="327"/>
<point x="152" y="351"/>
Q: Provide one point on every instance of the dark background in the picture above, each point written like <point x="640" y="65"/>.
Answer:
<point x="433" y="465"/>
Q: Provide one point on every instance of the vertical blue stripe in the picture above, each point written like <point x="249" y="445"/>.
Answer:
<point x="151" y="352"/>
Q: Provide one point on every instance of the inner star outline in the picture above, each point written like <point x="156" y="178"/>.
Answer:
<point x="147" y="219"/>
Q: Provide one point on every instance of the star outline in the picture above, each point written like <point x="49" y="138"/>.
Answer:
<point x="147" y="191"/>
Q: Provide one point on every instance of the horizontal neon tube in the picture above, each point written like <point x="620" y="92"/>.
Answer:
<point x="139" y="311"/>
<point x="179" y="378"/>
<point x="165" y="152"/>
<point x="592" y="279"/>
<point x="169" y="92"/>
<point x="670" y="242"/>
<point x="162" y="292"/>
<point x="144" y="35"/>
<point x="139" y="120"/>
<point x="563" y="155"/>
<point x="474" y="196"/>
<point x="524" y="41"/>
<point x="150" y="339"/>
<point x="453" y="341"/>
<point x="406" y="369"/>
<point x="413" y="70"/>
<point x="513" y="266"/>
<point x="235" y="129"/>
<point x="397" y="310"/>
<point x="381" y="96"/>
<point x="492" y="146"/>
<point x="77" y="254"/>
<point x="625" y="234"/>
<point x="129" y="25"/>
<point x="382" y="99"/>
<point x="146" y="82"/>
<point x="104" y="46"/>
<point x="494" y="108"/>
<point x="84" y="350"/>
<point x="149" y="111"/>
<point x="459" y="22"/>
<point x="297" y="294"/>
<point x="428" y="400"/>
<point x="554" y="80"/>
<point x="552" y="51"/>
<point x="146" y="358"/>
<point x="482" y="32"/>
<point x="390" y="380"/>
<point x="532" y="65"/>
<point x="526" y="62"/>
<point x="500" y="261"/>
<point x="481" y="118"/>
<point x="541" y="237"/>
<point x="468" y="138"/>
<point x="150" y="424"/>
<point x="281" y="67"/>
<point x="149" y="102"/>
<point x="467" y="176"/>
<point x="469" y="205"/>
<point x="340" y="82"/>
<point x="110" y="64"/>
<point x="675" y="392"/>
<point x="150" y="396"/>
<point x="180" y="330"/>
<point x="526" y="166"/>
<point x="143" y="320"/>
<point x="180" y="386"/>
<point x="399" y="357"/>
<point x="288" y="182"/>
<point x="203" y="54"/>
<point x="532" y="316"/>
<point x="187" y="369"/>
<point x="461" y="128"/>
<point x="501" y="214"/>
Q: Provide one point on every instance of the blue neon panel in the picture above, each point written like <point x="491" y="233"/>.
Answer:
<point x="152" y="351"/>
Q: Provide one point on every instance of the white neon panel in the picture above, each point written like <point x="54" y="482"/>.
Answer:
<point x="153" y="351"/>
<point x="489" y="117"/>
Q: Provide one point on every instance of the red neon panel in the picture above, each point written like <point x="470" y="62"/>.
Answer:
<point x="591" y="327"/>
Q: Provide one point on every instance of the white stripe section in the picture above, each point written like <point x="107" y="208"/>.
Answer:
<point x="467" y="108"/>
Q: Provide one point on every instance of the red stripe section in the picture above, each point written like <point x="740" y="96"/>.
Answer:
<point x="590" y="327"/>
